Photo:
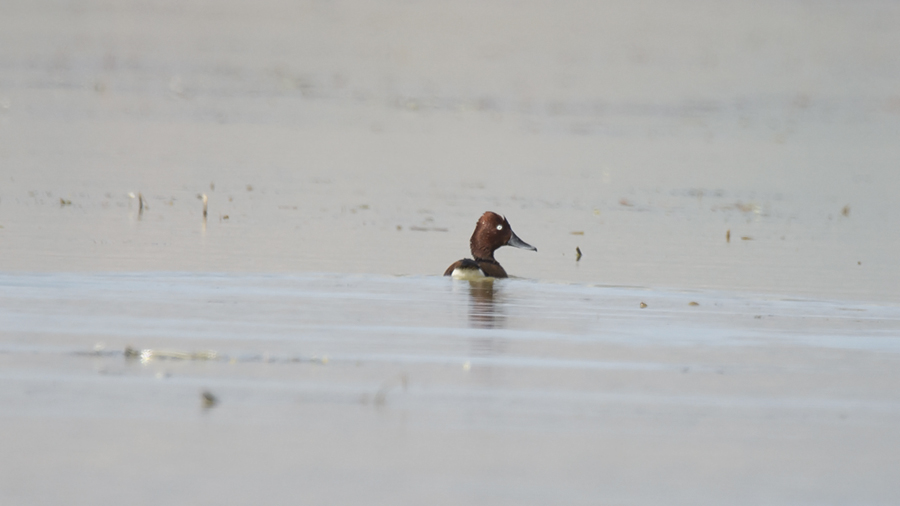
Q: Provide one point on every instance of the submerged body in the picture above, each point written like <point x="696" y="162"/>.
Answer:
<point x="491" y="232"/>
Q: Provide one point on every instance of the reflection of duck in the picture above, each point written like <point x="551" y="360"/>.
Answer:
<point x="482" y="312"/>
<point x="491" y="232"/>
<point x="486" y="312"/>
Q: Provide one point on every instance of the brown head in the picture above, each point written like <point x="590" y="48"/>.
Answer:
<point x="492" y="232"/>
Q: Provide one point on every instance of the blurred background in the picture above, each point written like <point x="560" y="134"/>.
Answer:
<point x="690" y="144"/>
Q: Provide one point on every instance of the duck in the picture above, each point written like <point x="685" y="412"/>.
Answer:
<point x="491" y="232"/>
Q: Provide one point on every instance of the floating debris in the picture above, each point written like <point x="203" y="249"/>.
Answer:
<point x="205" y="200"/>
<point x="643" y="305"/>
<point x="744" y="207"/>
<point x="626" y="203"/>
<point x="429" y="229"/>
<point x="148" y="354"/>
<point x="401" y="380"/>
<point x="63" y="202"/>
<point x="692" y="303"/>
<point x="846" y="210"/>
<point x="467" y="366"/>
<point x="140" y="204"/>
<point x="208" y="399"/>
<point x="99" y="350"/>
<point x="577" y="253"/>
<point x="728" y="235"/>
<point x="249" y="187"/>
<point x="577" y="232"/>
<point x="746" y="238"/>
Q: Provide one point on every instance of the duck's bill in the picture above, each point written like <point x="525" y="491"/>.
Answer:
<point x="515" y="242"/>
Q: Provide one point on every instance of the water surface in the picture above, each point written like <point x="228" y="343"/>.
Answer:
<point x="425" y="389"/>
<point x="739" y="156"/>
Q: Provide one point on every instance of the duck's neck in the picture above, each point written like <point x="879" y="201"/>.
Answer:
<point x="482" y="253"/>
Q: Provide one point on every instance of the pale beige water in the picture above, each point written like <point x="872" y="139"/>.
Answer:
<point x="349" y="121"/>
<point x="364" y="140"/>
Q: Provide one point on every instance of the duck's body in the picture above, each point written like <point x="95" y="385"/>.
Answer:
<point x="475" y="269"/>
<point x="491" y="232"/>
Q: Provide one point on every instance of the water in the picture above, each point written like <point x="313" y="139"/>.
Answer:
<point x="741" y="157"/>
<point x="641" y="134"/>
<point x="516" y="390"/>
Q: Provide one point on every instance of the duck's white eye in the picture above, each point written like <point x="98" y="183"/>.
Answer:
<point x="499" y="227"/>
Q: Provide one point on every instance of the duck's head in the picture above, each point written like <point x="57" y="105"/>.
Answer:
<point x="492" y="232"/>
